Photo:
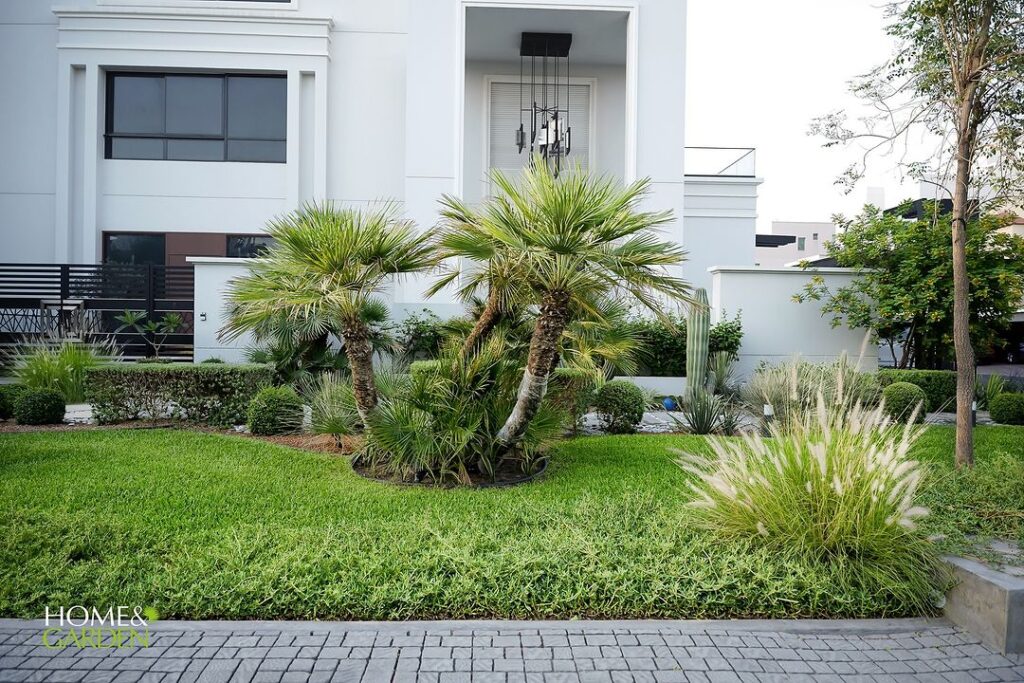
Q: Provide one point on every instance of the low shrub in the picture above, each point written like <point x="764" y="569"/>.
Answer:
<point x="215" y="394"/>
<point x="8" y="395"/>
<point x="212" y="360"/>
<point x="904" y="401"/>
<point x="837" y="489"/>
<point x="39" y="407"/>
<point x="663" y="344"/>
<point x="61" y="367"/>
<point x="274" y="410"/>
<point x="422" y="367"/>
<point x="1008" y="409"/>
<point x="938" y="385"/>
<point x="572" y="391"/>
<point x="620" y="405"/>
<point x="702" y="412"/>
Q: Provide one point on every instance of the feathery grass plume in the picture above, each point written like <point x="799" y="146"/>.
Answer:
<point x="835" y="484"/>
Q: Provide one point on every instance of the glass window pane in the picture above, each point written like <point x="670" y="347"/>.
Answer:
<point x="135" y="249"/>
<point x="248" y="246"/>
<point x="137" y="148"/>
<point x="195" y="150"/>
<point x="257" y="107"/>
<point x="195" y="105"/>
<point x="138" y="104"/>
<point x="256" y="150"/>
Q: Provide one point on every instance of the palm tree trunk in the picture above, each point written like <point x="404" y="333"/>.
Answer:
<point x="359" y="352"/>
<point x="551" y="323"/>
<point x="485" y="324"/>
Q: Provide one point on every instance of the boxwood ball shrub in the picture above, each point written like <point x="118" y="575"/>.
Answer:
<point x="938" y="385"/>
<point x="217" y="394"/>
<point x="8" y="394"/>
<point x="902" y="399"/>
<point x="275" y="410"/>
<point x="39" y="407"/>
<point x="1008" y="409"/>
<point x="620" y="405"/>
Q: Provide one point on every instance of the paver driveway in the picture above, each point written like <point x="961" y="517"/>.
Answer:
<point x="870" y="650"/>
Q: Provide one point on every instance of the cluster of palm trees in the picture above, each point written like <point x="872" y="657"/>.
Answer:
<point x="560" y="248"/>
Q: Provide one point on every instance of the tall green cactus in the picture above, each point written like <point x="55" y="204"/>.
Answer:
<point x="698" y="334"/>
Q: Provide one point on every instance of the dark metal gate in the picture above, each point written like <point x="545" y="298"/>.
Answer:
<point x="82" y="302"/>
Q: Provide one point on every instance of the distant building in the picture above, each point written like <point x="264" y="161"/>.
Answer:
<point x="791" y="241"/>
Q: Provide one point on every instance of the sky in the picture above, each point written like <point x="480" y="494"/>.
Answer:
<point x="758" y="72"/>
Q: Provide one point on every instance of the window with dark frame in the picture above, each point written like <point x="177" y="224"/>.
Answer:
<point x="133" y="248"/>
<point x="248" y="246"/>
<point x="196" y="117"/>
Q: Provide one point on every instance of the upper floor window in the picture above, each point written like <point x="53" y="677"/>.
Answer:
<point x="801" y="243"/>
<point x="196" y="117"/>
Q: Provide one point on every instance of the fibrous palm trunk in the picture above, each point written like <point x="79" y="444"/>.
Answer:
<point x="359" y="352"/>
<point x="551" y="323"/>
<point x="485" y="324"/>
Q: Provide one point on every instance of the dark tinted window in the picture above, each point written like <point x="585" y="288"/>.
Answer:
<point x="134" y="249"/>
<point x="248" y="246"/>
<point x="197" y="117"/>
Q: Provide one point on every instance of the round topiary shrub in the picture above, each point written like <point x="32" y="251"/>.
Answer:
<point x="902" y="398"/>
<point x="1008" y="409"/>
<point x="39" y="407"/>
<point x="620" y="405"/>
<point x="8" y="395"/>
<point x="275" y="410"/>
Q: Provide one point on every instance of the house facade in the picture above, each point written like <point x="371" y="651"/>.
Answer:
<point x="166" y="133"/>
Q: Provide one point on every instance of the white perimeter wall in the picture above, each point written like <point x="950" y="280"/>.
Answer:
<point x="211" y="277"/>
<point x="776" y="328"/>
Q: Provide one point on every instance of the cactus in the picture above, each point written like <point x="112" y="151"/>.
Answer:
<point x="698" y="326"/>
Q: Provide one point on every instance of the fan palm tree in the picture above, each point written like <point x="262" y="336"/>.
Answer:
<point x="323" y="274"/>
<point x="567" y="242"/>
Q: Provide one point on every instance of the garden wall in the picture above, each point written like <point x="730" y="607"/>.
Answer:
<point x="212" y="275"/>
<point x="777" y="328"/>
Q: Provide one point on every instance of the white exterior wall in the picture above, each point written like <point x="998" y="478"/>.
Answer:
<point x="776" y="328"/>
<point x="212" y="276"/>
<point x="719" y="224"/>
<point x="777" y="257"/>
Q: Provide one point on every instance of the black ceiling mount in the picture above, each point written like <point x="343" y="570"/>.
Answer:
<point x="545" y="45"/>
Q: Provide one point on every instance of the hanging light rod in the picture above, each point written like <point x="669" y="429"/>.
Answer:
<point x="545" y="101"/>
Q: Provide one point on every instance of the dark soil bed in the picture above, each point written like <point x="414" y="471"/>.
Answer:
<point x="509" y="473"/>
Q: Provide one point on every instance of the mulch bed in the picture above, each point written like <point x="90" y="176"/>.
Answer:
<point x="509" y="473"/>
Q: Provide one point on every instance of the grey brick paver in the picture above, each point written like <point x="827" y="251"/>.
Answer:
<point x="510" y="652"/>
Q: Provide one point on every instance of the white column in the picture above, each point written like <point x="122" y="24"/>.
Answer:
<point x="89" y="244"/>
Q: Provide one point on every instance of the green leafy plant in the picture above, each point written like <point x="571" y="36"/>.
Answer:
<point x="333" y="405"/>
<point x="39" y="407"/>
<point x="212" y="360"/>
<point x="216" y="394"/>
<point x="986" y="393"/>
<point x="274" y="410"/>
<point x="620" y="406"/>
<point x="938" y="385"/>
<point x="572" y="391"/>
<point x="1008" y="409"/>
<point x="837" y="487"/>
<point x="8" y="395"/>
<point x="443" y="427"/>
<point x="61" y="366"/>
<point x="702" y="412"/>
<point x="155" y="332"/>
<point x="420" y="335"/>
<point x="662" y="342"/>
<point x="904" y="402"/>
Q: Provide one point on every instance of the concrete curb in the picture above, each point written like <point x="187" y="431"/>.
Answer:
<point x="988" y="603"/>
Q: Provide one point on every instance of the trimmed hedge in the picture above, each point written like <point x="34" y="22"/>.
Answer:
<point x="213" y="393"/>
<point x="39" y="407"/>
<point x="620" y="405"/>
<point x="902" y="399"/>
<point x="938" y="385"/>
<point x="8" y="395"/>
<point x="1008" y="409"/>
<point x="275" y="410"/>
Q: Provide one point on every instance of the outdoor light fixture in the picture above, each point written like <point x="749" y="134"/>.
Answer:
<point x="548" y="93"/>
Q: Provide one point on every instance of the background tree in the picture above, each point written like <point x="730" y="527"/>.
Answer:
<point x="956" y="72"/>
<point x="905" y="292"/>
<point x="323" y="274"/>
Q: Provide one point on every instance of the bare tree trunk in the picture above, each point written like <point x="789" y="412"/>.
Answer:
<point x="961" y="312"/>
<point x="485" y="324"/>
<point x="359" y="352"/>
<point x="551" y="323"/>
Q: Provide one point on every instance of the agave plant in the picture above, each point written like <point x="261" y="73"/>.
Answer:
<point x="563" y="242"/>
<point x="323" y="274"/>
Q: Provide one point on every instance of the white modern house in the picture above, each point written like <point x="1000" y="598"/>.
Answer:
<point x="165" y="133"/>
<point x="790" y="242"/>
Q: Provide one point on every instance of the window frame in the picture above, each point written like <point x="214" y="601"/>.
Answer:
<point x="241" y="235"/>
<point x="225" y="138"/>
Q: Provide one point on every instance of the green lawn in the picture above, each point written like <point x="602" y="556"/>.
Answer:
<point x="204" y="526"/>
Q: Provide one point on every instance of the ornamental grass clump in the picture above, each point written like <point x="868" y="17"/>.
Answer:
<point x="836" y="486"/>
